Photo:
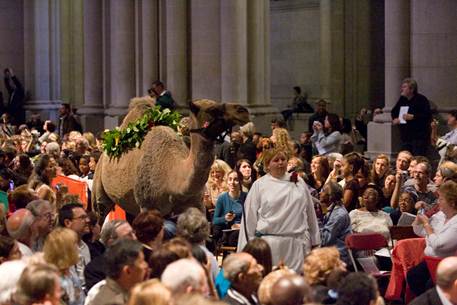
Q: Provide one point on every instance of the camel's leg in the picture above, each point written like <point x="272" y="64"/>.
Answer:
<point x="101" y="203"/>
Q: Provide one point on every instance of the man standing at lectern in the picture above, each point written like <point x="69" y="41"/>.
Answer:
<point x="413" y="115"/>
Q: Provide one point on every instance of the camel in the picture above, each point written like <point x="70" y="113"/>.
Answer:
<point x="163" y="173"/>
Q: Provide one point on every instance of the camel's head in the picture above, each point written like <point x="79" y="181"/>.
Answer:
<point x="215" y="119"/>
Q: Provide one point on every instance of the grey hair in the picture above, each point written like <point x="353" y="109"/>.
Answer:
<point x="109" y="230"/>
<point x="193" y="226"/>
<point x="36" y="206"/>
<point x="411" y="83"/>
<point x="336" y="191"/>
<point x="181" y="274"/>
<point x="233" y="265"/>
<point x="53" y="148"/>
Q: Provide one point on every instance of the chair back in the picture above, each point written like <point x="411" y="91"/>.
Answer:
<point x="401" y="232"/>
<point x="365" y="241"/>
<point x="432" y="264"/>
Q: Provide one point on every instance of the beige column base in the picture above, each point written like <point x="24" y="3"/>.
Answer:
<point x="383" y="138"/>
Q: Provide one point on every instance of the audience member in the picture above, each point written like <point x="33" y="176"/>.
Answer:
<point x="61" y="250"/>
<point x="150" y="292"/>
<point x="163" y="96"/>
<point x="261" y="251"/>
<point x="185" y="276"/>
<point x="369" y="218"/>
<point x="74" y="217"/>
<point x="43" y="222"/>
<point x="291" y="290"/>
<point x="228" y="212"/>
<point x="126" y="267"/>
<point x="38" y="284"/>
<point x="336" y="224"/>
<point x="320" y="263"/>
<point x="327" y="137"/>
<point x="358" y="289"/>
<point x="266" y="286"/>
<point x="19" y="226"/>
<point x="245" y="275"/>
<point x="439" y="232"/>
<point x="319" y="115"/>
<point x="9" y="249"/>
<point x="445" y="291"/>
<point x="67" y="121"/>
<point x="194" y="227"/>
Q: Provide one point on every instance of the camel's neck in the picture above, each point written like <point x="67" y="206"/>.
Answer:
<point x="200" y="159"/>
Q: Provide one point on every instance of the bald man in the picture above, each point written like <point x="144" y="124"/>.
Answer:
<point x="245" y="275"/>
<point x="19" y="226"/>
<point x="290" y="290"/>
<point x="445" y="292"/>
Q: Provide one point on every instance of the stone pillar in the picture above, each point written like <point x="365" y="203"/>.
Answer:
<point x="118" y="59"/>
<point x="92" y="109"/>
<point x="147" y="44"/>
<point x="433" y="51"/>
<point x="332" y="53"/>
<point x="234" y="65"/>
<point x="382" y="136"/>
<point x="174" y="47"/>
<point x="42" y="56"/>
<point x="205" y="49"/>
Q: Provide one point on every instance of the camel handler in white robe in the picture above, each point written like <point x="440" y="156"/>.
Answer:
<point x="279" y="209"/>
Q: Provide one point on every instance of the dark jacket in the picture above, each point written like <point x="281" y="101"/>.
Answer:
<point x="430" y="297"/>
<point x="16" y="100"/>
<point x="67" y="124"/>
<point x="166" y="101"/>
<point x="419" y="127"/>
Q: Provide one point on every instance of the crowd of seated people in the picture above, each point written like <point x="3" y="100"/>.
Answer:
<point x="284" y="205"/>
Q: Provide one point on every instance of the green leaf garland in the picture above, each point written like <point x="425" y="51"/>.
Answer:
<point x="119" y="141"/>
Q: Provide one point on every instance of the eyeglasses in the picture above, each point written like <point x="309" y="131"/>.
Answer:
<point x="47" y="215"/>
<point x="82" y="217"/>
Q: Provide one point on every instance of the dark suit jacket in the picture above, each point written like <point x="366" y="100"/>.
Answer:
<point x="67" y="124"/>
<point x="430" y="297"/>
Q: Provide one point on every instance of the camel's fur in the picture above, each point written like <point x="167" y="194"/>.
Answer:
<point x="163" y="173"/>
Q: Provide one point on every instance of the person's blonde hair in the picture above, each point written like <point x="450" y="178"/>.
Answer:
<point x="271" y="153"/>
<point x="219" y="165"/>
<point x="36" y="283"/>
<point x="319" y="263"/>
<point x="449" y="191"/>
<point x="60" y="248"/>
<point x="150" y="292"/>
<point x="282" y="140"/>
<point x="89" y="136"/>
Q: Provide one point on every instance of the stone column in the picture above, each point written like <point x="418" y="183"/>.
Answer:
<point x="92" y="109"/>
<point x="119" y="59"/>
<point x="147" y="44"/>
<point x="174" y="47"/>
<point x="205" y="49"/>
<point x="42" y="56"/>
<point x="234" y="58"/>
<point x="382" y="136"/>
<point x="332" y="53"/>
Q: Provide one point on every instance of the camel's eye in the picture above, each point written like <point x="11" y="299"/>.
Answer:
<point x="241" y="110"/>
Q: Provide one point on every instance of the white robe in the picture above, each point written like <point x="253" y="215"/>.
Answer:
<point x="283" y="212"/>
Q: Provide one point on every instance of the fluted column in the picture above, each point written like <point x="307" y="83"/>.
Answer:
<point x="382" y="136"/>
<point x="119" y="58"/>
<point x="205" y="49"/>
<point x="234" y="65"/>
<point x="147" y="44"/>
<point x="42" y="55"/>
<point x="397" y="48"/>
<point x="174" y="48"/>
<point x="91" y="110"/>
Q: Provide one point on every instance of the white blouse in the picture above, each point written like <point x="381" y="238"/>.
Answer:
<point x="374" y="222"/>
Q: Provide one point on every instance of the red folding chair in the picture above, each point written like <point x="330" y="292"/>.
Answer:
<point x="366" y="242"/>
<point x="432" y="263"/>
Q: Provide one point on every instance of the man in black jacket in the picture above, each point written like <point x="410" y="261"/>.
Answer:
<point x="445" y="292"/>
<point x="15" y="105"/>
<point x="413" y="115"/>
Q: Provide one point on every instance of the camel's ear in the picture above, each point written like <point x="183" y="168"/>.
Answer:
<point x="193" y="107"/>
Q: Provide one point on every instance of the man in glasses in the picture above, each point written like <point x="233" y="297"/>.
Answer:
<point x="73" y="216"/>
<point x="43" y="222"/>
